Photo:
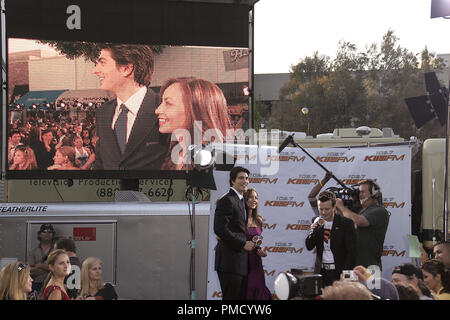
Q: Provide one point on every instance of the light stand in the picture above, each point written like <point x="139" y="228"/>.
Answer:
<point x="201" y="176"/>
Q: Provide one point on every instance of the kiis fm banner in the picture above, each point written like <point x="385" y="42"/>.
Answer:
<point x="284" y="206"/>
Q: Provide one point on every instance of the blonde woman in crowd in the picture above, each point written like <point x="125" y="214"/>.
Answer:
<point x="15" y="281"/>
<point x="92" y="287"/>
<point x="23" y="159"/>
<point x="60" y="267"/>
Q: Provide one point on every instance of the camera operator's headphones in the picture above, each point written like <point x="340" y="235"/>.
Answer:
<point x="374" y="189"/>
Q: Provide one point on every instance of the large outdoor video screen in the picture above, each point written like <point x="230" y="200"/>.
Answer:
<point x="119" y="110"/>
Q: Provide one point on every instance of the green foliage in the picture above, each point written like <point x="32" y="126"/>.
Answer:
<point x="358" y="88"/>
<point x="89" y="50"/>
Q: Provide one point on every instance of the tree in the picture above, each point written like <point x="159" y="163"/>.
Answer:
<point x="357" y="88"/>
<point x="89" y="50"/>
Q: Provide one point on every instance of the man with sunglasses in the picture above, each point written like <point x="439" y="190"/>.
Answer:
<point x="37" y="257"/>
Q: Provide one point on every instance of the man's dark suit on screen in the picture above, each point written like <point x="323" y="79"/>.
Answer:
<point x="231" y="260"/>
<point x="342" y="244"/>
<point x="146" y="148"/>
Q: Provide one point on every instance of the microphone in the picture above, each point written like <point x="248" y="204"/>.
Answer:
<point x="257" y="240"/>
<point x="286" y="141"/>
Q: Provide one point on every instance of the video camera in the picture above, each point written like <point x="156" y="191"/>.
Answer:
<point x="296" y="286"/>
<point x="350" y="197"/>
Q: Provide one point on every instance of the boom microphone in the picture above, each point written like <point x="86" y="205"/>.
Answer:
<point x="288" y="140"/>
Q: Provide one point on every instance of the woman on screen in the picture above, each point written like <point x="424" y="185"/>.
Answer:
<point x="191" y="107"/>
<point x="64" y="159"/>
<point x="23" y="159"/>
<point x="92" y="287"/>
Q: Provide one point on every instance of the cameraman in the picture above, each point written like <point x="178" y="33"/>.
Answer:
<point x="334" y="240"/>
<point x="372" y="222"/>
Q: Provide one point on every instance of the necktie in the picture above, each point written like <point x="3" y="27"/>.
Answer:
<point x="120" y="128"/>
<point x="243" y="208"/>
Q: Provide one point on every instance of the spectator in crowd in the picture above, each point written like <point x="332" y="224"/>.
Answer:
<point x="334" y="237"/>
<point x="71" y="283"/>
<point x="187" y="105"/>
<point x="15" y="281"/>
<point x="14" y="140"/>
<point x="407" y="291"/>
<point x="372" y="222"/>
<point x="59" y="265"/>
<point x="83" y="156"/>
<point x="23" y="159"/>
<point x="408" y="273"/>
<point x="64" y="159"/>
<point x="437" y="279"/>
<point x="45" y="150"/>
<point x="346" y="290"/>
<point x="442" y="253"/>
<point x="92" y="287"/>
<point x="378" y="286"/>
<point x="37" y="257"/>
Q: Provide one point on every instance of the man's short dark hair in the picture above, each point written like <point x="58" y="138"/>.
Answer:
<point x="326" y="195"/>
<point x="409" y="270"/>
<point x="445" y="244"/>
<point x="234" y="173"/>
<point x="139" y="55"/>
<point x="66" y="244"/>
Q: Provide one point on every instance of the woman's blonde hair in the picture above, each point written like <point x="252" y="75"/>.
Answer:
<point x="87" y="264"/>
<point x="13" y="278"/>
<point x="51" y="260"/>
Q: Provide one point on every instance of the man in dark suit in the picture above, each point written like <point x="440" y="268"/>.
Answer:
<point x="230" y="226"/>
<point x="334" y="237"/>
<point x="127" y="127"/>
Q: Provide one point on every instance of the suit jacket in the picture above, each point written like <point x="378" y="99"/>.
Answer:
<point x="230" y="225"/>
<point x="146" y="148"/>
<point x="343" y="244"/>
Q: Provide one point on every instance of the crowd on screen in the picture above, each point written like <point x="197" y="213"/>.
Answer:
<point x="52" y="141"/>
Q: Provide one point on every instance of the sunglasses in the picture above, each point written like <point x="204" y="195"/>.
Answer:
<point x="47" y="231"/>
<point x="21" y="266"/>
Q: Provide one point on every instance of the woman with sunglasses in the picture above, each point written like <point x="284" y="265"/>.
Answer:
<point x="15" y="281"/>
<point x="92" y="287"/>
<point x="60" y="267"/>
<point x="23" y="159"/>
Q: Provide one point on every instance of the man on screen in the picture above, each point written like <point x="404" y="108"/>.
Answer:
<point x="127" y="127"/>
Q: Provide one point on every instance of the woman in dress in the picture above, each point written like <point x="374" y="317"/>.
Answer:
<point x="23" y="159"/>
<point x="436" y="278"/>
<point x="83" y="156"/>
<point x="60" y="267"/>
<point x="15" y="281"/>
<point x="257" y="289"/>
<point x="190" y="105"/>
<point x="92" y="287"/>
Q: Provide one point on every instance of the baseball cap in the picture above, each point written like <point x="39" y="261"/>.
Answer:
<point x="46" y="227"/>
<point x="409" y="270"/>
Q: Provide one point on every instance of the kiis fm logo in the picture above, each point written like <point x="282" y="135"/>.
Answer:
<point x="394" y="205"/>
<point x="283" y="248"/>
<point x="302" y="225"/>
<point x="283" y="158"/>
<point x="384" y="156"/>
<point x="240" y="157"/>
<point x="270" y="273"/>
<point x="335" y="159"/>
<point x="266" y="226"/>
<point x="393" y="252"/>
<point x="263" y="180"/>
<point x="302" y="181"/>
<point x="284" y="202"/>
